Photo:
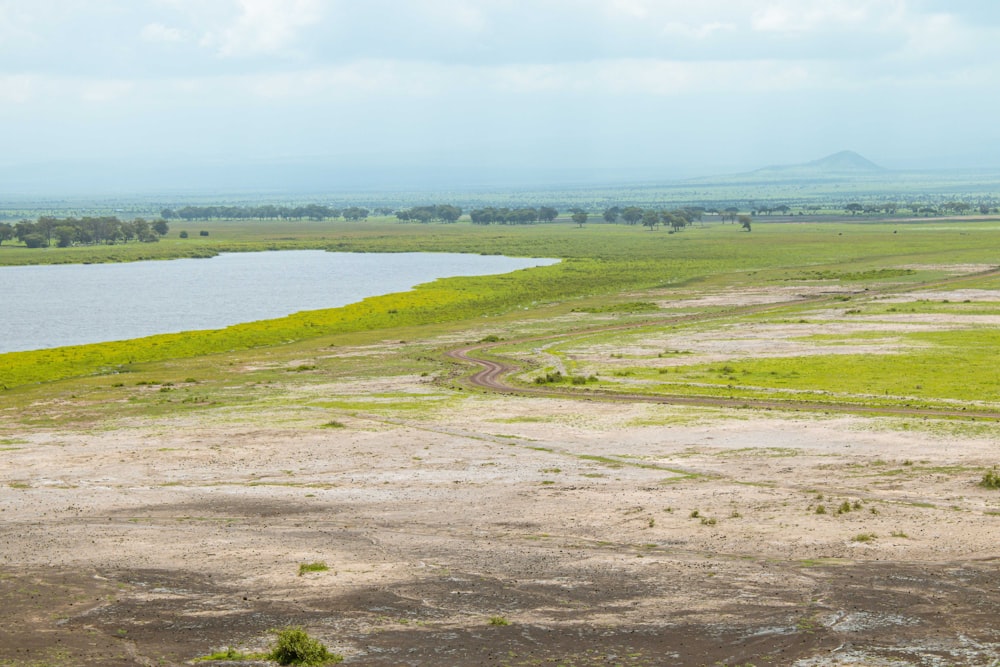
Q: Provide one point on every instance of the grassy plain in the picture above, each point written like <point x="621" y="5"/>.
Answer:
<point x="180" y="502"/>
<point x="599" y="261"/>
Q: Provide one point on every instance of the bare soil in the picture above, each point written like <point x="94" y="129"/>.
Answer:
<point x="602" y="534"/>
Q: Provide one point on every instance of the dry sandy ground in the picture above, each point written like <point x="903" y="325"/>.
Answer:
<point x="603" y="534"/>
<point x="154" y="543"/>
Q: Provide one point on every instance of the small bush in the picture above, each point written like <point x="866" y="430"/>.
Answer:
<point x="492" y="338"/>
<point x="318" y="566"/>
<point x="991" y="479"/>
<point x="333" y="423"/>
<point x="864" y="537"/>
<point x="183" y="235"/>
<point x="550" y="378"/>
<point x="498" y="620"/>
<point x="295" y="647"/>
<point x="203" y="233"/>
<point x="820" y="509"/>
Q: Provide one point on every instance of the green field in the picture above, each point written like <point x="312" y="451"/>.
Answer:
<point x="607" y="272"/>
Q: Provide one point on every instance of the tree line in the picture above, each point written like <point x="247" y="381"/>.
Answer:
<point x="65" y="232"/>
<point x="507" y="216"/>
<point x="270" y="212"/>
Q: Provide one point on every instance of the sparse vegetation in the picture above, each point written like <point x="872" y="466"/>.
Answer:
<point x="991" y="479"/>
<point x="318" y="566"/>
<point x="295" y="647"/>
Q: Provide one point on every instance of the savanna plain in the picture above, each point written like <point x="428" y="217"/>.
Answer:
<point x="714" y="447"/>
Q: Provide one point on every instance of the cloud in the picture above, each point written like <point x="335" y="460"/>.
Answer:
<point x="17" y="88"/>
<point x="265" y="27"/>
<point x="157" y="32"/>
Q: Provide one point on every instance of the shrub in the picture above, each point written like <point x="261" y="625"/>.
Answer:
<point x="318" y="566"/>
<point x="295" y="647"/>
<point x="203" y="233"/>
<point x="498" y="620"/>
<point x="991" y="479"/>
<point x="183" y="235"/>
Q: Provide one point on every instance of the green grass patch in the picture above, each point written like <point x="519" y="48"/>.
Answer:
<point x="319" y="566"/>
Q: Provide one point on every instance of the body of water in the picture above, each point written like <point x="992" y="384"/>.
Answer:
<point x="72" y="304"/>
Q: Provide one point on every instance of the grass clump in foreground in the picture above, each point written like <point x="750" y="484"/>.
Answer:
<point x="991" y="479"/>
<point x="296" y="647"/>
<point x="318" y="566"/>
<point x="230" y="654"/>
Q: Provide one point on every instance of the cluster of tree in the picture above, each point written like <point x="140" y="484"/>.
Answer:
<point x="677" y="219"/>
<point x="517" y="216"/>
<point x="442" y="212"/>
<point x="65" y="232"/>
<point x="918" y="208"/>
<point x="266" y="212"/>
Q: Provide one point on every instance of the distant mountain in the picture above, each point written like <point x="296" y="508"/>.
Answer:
<point x="842" y="165"/>
<point x="844" y="162"/>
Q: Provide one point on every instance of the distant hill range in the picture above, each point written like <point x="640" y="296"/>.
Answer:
<point x="843" y="165"/>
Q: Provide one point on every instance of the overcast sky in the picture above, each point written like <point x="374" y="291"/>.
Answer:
<point x="678" y="87"/>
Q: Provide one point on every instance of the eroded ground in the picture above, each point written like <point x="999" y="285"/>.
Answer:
<point x="601" y="534"/>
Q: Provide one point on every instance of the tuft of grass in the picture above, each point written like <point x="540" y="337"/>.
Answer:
<point x="864" y="537"/>
<point x="296" y="647"/>
<point x="498" y="620"/>
<point x="318" y="566"/>
<point x="232" y="655"/>
<point x="991" y="479"/>
<point x="333" y="423"/>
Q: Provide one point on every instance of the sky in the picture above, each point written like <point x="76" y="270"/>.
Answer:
<point x="177" y="93"/>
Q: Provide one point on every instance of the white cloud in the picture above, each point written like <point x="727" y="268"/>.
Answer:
<point x="701" y="31"/>
<point x="265" y="27"/>
<point x="810" y="16"/>
<point x="17" y="88"/>
<point x="99" y="92"/>
<point x="157" y="32"/>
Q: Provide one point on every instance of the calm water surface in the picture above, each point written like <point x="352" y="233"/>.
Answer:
<point x="72" y="304"/>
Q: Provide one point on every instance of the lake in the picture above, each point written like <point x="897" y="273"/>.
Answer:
<point x="72" y="304"/>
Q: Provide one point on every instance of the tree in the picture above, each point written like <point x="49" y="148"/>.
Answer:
<point x="65" y="235"/>
<point x="35" y="240"/>
<point x="579" y="218"/>
<point x="448" y="213"/>
<point x="650" y="219"/>
<point x="745" y="221"/>
<point x="547" y="213"/>
<point x="354" y="213"/>
<point x="6" y="232"/>
<point x="854" y="208"/>
<point x="632" y="215"/>
<point x="161" y="227"/>
<point x="611" y="215"/>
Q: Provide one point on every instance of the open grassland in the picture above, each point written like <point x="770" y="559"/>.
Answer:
<point x="598" y="260"/>
<point x="345" y="477"/>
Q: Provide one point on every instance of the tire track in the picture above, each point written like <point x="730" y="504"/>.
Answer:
<point x="492" y="373"/>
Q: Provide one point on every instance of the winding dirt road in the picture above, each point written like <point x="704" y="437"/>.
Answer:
<point x="492" y="372"/>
